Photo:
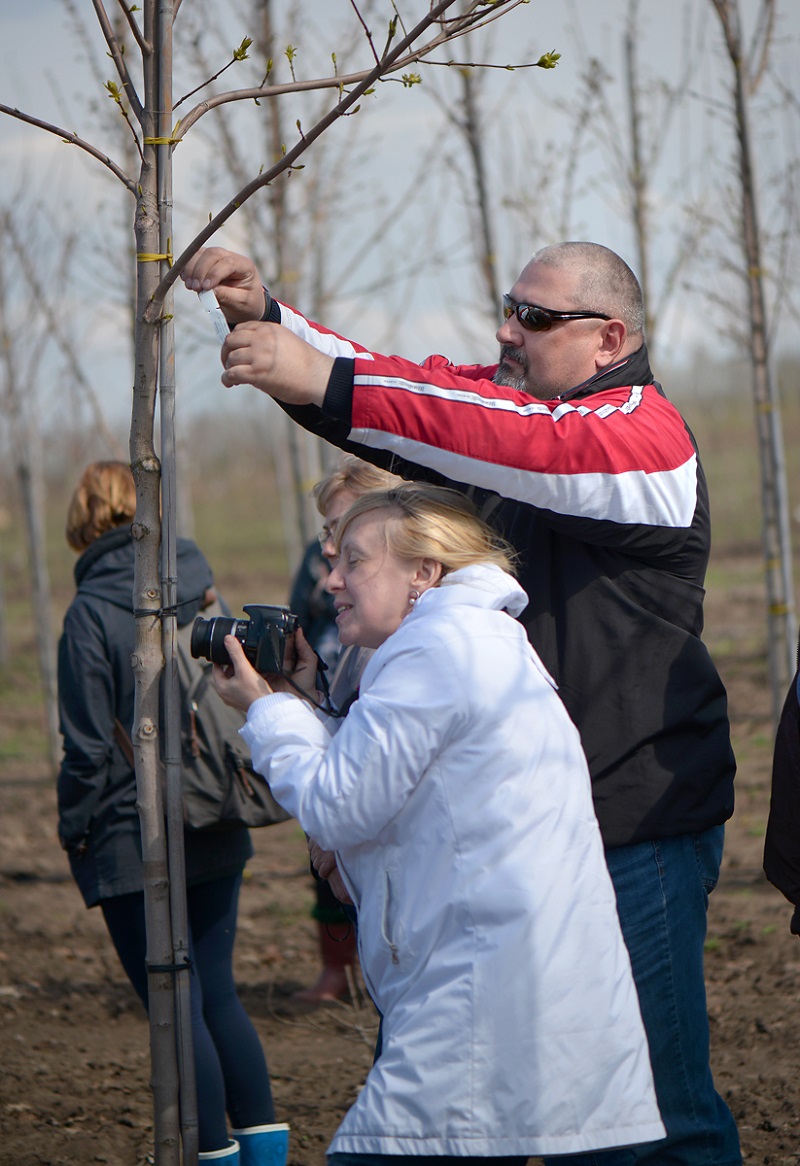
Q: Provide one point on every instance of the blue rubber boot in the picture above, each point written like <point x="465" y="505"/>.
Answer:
<point x="227" y="1157"/>
<point x="263" y="1145"/>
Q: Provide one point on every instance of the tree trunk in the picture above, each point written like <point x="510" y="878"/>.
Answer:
<point x="781" y="622"/>
<point x="169" y="620"/>
<point x="27" y="446"/>
<point x="638" y="175"/>
<point x="4" y="652"/>
<point x="31" y="481"/>
<point x="474" y="134"/>
<point x="147" y="659"/>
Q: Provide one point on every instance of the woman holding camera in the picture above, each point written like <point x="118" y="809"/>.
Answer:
<point x="98" y="823"/>
<point x="466" y="836"/>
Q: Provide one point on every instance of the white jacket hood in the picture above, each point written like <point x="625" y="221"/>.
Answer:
<point x="481" y="585"/>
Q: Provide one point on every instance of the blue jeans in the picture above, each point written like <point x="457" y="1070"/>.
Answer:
<point x="662" y="897"/>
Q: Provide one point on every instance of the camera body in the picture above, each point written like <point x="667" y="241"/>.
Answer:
<point x="262" y="636"/>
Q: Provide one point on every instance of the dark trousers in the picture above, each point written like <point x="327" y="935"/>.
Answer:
<point x="230" y="1065"/>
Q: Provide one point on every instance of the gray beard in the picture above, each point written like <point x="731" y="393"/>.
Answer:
<point x="504" y="375"/>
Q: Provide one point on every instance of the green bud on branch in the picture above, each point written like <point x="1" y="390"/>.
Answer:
<point x="290" y="53"/>
<point x="115" y="93"/>
<point x="548" y="60"/>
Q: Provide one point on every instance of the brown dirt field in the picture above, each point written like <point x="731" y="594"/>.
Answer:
<point x="75" y="1081"/>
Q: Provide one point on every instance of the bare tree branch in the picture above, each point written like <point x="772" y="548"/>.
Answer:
<point x="239" y="54"/>
<point x="391" y="62"/>
<point x="56" y="330"/>
<point x="119" y="59"/>
<point x="346" y="104"/>
<point x="72" y="139"/>
<point x="762" y="43"/>
<point x="144" y="47"/>
<point x="368" y="34"/>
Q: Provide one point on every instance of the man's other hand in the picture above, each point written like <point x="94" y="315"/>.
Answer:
<point x="277" y="362"/>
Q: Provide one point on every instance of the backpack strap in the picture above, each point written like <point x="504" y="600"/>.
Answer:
<point x="124" y="741"/>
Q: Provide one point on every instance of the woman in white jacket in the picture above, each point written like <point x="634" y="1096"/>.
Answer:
<point x="457" y="797"/>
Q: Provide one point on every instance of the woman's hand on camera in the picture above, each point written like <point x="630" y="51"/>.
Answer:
<point x="238" y="684"/>
<point x="300" y="663"/>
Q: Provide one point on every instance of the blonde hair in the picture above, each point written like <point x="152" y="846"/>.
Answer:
<point x="105" y="497"/>
<point x="355" y="475"/>
<point x="432" y="522"/>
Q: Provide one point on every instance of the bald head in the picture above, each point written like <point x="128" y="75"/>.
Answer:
<point x="581" y="278"/>
<point x="602" y="283"/>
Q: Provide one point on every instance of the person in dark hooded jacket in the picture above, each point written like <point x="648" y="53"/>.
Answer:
<point x="98" y="824"/>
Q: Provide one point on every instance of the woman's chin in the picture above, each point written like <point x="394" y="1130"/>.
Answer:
<point x="355" y="638"/>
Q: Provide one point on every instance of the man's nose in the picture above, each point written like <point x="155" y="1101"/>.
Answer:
<point x="509" y="333"/>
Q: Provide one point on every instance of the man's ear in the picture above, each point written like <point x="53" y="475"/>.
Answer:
<point x="427" y="574"/>
<point x="613" y="337"/>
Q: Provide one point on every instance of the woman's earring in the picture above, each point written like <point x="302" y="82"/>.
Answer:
<point x="413" y="596"/>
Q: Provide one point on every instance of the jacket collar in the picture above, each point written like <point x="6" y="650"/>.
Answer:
<point x="633" y="370"/>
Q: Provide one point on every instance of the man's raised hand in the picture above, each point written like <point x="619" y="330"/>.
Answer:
<point x="233" y="277"/>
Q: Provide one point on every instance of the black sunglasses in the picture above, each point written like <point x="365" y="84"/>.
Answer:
<point x="538" y="319"/>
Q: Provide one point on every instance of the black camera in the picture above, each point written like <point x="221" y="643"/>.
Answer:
<point x="262" y="636"/>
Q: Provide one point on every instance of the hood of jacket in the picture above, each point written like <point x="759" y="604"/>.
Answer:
<point x="105" y="571"/>
<point x="480" y="585"/>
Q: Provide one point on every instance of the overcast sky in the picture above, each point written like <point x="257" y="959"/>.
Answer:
<point x="43" y="71"/>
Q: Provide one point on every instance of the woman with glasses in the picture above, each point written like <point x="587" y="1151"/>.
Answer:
<point x="314" y="606"/>
<point x="457" y="798"/>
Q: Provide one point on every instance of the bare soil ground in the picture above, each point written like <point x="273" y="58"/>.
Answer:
<point x="75" y="1066"/>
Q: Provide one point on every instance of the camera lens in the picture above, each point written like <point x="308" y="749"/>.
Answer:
<point x="208" y="637"/>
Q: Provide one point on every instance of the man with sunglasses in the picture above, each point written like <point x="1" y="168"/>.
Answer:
<point x="579" y="459"/>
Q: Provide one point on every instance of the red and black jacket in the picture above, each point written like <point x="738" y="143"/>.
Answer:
<point x="602" y="494"/>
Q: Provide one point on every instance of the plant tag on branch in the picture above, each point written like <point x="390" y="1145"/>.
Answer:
<point x="209" y="302"/>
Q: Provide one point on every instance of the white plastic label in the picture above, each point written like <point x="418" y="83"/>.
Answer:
<point x="209" y="302"/>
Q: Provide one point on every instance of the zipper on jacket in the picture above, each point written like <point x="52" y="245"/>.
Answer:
<point x="387" y="887"/>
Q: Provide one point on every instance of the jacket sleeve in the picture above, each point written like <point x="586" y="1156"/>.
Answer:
<point x="86" y="711"/>
<point x="617" y="467"/>
<point x="344" y="790"/>
<point x="782" y="842"/>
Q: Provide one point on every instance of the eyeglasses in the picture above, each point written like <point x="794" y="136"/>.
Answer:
<point x="327" y="534"/>
<point x="535" y="318"/>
